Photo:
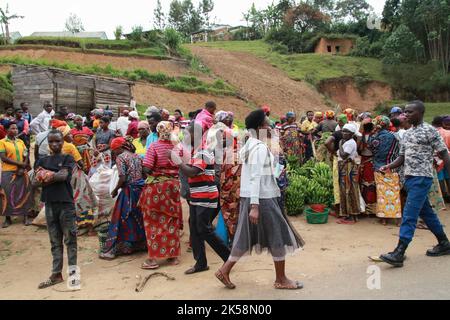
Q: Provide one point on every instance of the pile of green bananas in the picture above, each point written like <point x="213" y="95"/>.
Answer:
<point x="310" y="184"/>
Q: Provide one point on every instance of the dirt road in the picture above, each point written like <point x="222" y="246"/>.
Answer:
<point x="333" y="266"/>
<point x="260" y="82"/>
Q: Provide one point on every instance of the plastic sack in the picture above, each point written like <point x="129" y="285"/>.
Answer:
<point x="100" y="182"/>
<point x="221" y="229"/>
<point x="114" y="179"/>
<point x="40" y="220"/>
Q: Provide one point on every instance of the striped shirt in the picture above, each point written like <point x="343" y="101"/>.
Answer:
<point x="203" y="188"/>
<point x="157" y="159"/>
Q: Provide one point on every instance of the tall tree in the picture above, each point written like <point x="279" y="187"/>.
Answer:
<point x="391" y="14"/>
<point x="306" y="17"/>
<point x="74" y="24"/>
<point x="353" y="9"/>
<point x="206" y="7"/>
<point x="118" y="32"/>
<point x="159" y="17"/>
<point x="176" y="15"/>
<point x="5" y="18"/>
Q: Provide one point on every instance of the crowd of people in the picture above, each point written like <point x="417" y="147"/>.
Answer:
<point x="221" y="170"/>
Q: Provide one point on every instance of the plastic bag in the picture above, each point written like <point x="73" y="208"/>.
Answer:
<point x="114" y="179"/>
<point x="100" y="182"/>
<point x="221" y="229"/>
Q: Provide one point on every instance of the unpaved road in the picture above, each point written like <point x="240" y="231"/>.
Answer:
<point x="332" y="266"/>
<point x="260" y="82"/>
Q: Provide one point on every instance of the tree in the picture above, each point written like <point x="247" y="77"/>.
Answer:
<point x="74" y="24"/>
<point x="118" y="32"/>
<point x="354" y="9"/>
<point x="184" y="18"/>
<point x="176" y="15"/>
<point x="391" y="14"/>
<point x="159" y="17"/>
<point x="402" y="46"/>
<point x="305" y="17"/>
<point x="137" y="33"/>
<point x="5" y="18"/>
<point x="206" y="7"/>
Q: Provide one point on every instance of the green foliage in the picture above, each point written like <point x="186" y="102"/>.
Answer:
<point x="137" y="34"/>
<point x="402" y="46"/>
<point x="172" y="39"/>
<point x="118" y="32"/>
<point x="6" y="91"/>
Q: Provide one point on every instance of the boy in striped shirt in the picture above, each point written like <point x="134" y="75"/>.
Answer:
<point x="203" y="200"/>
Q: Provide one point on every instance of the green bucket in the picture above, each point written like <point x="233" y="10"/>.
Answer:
<point x="313" y="217"/>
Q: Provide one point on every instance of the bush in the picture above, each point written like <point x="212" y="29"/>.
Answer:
<point x="280" y="48"/>
<point x="172" y="40"/>
<point x="137" y="34"/>
<point x="402" y="46"/>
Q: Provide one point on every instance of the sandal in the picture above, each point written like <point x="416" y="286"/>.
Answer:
<point x="147" y="266"/>
<point x="279" y="286"/>
<point x="107" y="256"/>
<point x="228" y="284"/>
<point x="194" y="270"/>
<point x="50" y="283"/>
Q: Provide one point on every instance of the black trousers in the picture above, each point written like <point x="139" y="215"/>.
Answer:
<point x="61" y="225"/>
<point x="201" y="230"/>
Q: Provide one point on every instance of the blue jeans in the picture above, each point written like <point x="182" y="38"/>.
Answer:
<point x="418" y="204"/>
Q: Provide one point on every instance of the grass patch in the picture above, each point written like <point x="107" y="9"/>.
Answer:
<point x="180" y="84"/>
<point x="433" y="109"/>
<point x="308" y="67"/>
<point x="86" y="43"/>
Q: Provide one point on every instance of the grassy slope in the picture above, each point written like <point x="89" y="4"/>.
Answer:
<point x="311" y="67"/>
<point x="433" y="109"/>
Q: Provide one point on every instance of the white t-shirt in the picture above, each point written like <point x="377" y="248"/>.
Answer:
<point x="42" y="142"/>
<point x="351" y="148"/>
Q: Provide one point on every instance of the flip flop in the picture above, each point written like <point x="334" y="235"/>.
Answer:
<point x="279" y="286"/>
<point x="228" y="284"/>
<point x="49" y="283"/>
<point x="146" y="266"/>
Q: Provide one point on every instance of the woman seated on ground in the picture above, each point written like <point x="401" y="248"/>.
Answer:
<point x="15" y="192"/>
<point x="348" y="176"/>
<point x="262" y="224"/>
<point x="126" y="233"/>
<point x="160" y="201"/>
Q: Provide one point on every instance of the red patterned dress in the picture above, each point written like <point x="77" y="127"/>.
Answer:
<point x="160" y="203"/>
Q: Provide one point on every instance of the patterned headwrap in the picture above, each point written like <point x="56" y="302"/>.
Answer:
<point x="164" y="130"/>
<point x="221" y="115"/>
<point x="118" y="143"/>
<point x="350" y="113"/>
<point x="65" y="130"/>
<point x="330" y="114"/>
<point x="71" y="116"/>
<point x="382" y="122"/>
<point x="318" y="115"/>
<point x="57" y="123"/>
<point x="143" y="125"/>
<point x="343" y="118"/>
<point x="77" y="117"/>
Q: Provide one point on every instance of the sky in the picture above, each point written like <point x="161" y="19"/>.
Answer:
<point x="105" y="15"/>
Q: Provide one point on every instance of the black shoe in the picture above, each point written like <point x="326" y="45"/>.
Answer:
<point x="397" y="257"/>
<point x="442" y="249"/>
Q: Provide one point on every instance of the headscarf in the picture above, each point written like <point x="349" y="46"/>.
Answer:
<point x="55" y="123"/>
<point x="318" y="115"/>
<point x="134" y="115"/>
<point x="290" y="115"/>
<point x="382" y="122"/>
<point x="330" y="114"/>
<point x="221" y="115"/>
<point x="350" y="127"/>
<point x="143" y="125"/>
<point x="343" y="118"/>
<point x="71" y="116"/>
<point x="266" y="109"/>
<point x="65" y="130"/>
<point x="118" y="143"/>
<point x="77" y="117"/>
<point x="151" y="110"/>
<point x="350" y="113"/>
<point x="164" y="129"/>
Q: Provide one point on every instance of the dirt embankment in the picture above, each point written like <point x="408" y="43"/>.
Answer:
<point x="169" y="67"/>
<point x="148" y="94"/>
<point x="345" y="92"/>
<point x="260" y="82"/>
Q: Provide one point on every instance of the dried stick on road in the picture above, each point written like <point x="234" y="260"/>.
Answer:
<point x="140" y="285"/>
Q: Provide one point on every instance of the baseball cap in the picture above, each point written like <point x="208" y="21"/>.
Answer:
<point x="396" y="110"/>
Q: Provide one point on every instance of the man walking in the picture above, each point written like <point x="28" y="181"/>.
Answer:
<point x="416" y="154"/>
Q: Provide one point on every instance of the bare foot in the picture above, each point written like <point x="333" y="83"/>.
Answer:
<point x="287" y="284"/>
<point x="225" y="279"/>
